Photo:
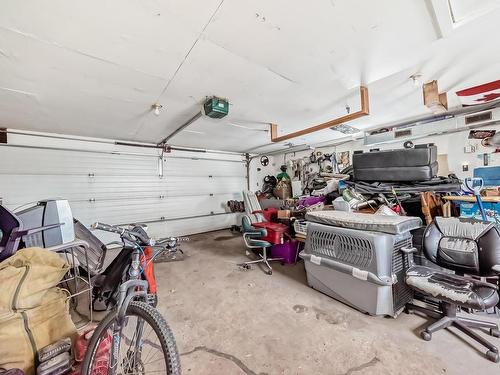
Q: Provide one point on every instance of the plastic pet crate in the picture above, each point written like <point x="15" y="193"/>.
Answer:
<point x="363" y="269"/>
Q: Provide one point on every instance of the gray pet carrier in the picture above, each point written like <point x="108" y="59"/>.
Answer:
<point x="360" y="267"/>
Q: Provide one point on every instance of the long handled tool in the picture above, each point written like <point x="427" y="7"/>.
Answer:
<point x="474" y="185"/>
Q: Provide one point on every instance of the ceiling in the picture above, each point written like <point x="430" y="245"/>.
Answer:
<point x="94" y="68"/>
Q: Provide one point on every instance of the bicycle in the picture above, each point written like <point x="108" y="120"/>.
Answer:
<point x="145" y="349"/>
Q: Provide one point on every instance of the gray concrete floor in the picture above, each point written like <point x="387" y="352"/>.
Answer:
<point x="228" y="321"/>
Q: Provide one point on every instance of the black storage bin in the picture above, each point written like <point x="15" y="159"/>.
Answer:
<point x="402" y="165"/>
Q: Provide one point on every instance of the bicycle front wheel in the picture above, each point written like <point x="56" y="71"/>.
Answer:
<point x="145" y="345"/>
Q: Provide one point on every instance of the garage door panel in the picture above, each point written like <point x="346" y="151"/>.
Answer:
<point x="179" y="186"/>
<point x="192" y="226"/>
<point x="199" y="167"/>
<point x="190" y="195"/>
<point x="23" y="188"/>
<point x="46" y="161"/>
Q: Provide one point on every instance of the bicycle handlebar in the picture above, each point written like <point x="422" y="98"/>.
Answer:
<point x="107" y="228"/>
<point x="124" y="233"/>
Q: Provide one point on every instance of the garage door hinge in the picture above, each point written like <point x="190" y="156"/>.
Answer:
<point x="211" y="194"/>
<point x="91" y="175"/>
<point x="210" y="176"/>
<point x="162" y="218"/>
<point x="162" y="196"/>
<point x="92" y="200"/>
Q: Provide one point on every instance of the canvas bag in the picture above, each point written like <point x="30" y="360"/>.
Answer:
<point x="27" y="331"/>
<point x="26" y="277"/>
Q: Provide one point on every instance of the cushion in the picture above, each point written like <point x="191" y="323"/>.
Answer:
<point x="462" y="228"/>
<point x="370" y="222"/>
<point x="452" y="288"/>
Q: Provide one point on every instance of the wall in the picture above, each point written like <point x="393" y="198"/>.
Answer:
<point x="451" y="145"/>
<point x="176" y="193"/>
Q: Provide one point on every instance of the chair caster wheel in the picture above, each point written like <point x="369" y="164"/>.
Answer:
<point x="492" y="356"/>
<point x="426" y="335"/>
<point x="269" y="273"/>
<point x="494" y="332"/>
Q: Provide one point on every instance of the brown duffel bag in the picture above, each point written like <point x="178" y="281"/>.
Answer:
<point x="27" y="331"/>
<point x="26" y="277"/>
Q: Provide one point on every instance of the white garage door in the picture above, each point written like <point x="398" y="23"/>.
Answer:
<point x="184" y="193"/>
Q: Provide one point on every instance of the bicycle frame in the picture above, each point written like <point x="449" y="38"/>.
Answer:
<point x="127" y="291"/>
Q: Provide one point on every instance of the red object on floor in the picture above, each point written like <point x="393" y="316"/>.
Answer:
<point x="102" y="355"/>
<point x="81" y="343"/>
<point x="275" y="232"/>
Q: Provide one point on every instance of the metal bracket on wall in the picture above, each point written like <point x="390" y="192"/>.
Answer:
<point x="364" y="111"/>
<point x="161" y="160"/>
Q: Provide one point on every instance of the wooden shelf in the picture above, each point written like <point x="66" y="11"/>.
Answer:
<point x="467" y="198"/>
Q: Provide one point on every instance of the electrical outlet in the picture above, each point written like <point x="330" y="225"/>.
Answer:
<point x="486" y="159"/>
<point x="469" y="149"/>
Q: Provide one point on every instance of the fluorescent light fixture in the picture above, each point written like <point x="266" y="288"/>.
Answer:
<point x="193" y="131"/>
<point x="246" y="127"/>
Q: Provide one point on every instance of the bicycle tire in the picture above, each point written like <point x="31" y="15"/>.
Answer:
<point x="155" y="320"/>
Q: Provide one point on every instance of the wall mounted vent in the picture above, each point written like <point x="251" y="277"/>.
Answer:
<point x="402" y="133"/>
<point x="480" y="117"/>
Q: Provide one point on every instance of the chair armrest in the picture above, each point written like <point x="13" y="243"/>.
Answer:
<point x="408" y="250"/>
<point x="256" y="233"/>
<point x="482" y="283"/>
<point x="27" y="232"/>
<point x="496" y="268"/>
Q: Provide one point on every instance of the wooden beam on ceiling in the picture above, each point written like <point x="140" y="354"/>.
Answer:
<point x="433" y="99"/>
<point x="364" y="111"/>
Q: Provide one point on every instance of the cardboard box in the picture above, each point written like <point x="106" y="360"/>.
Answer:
<point x="469" y="210"/>
<point x="283" y="214"/>
<point x="490" y="192"/>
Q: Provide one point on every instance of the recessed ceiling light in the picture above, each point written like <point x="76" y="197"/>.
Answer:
<point x="156" y="107"/>
<point x="416" y="79"/>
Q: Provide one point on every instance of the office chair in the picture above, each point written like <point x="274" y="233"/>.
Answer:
<point x="469" y="247"/>
<point x="252" y="237"/>
<point x="10" y="233"/>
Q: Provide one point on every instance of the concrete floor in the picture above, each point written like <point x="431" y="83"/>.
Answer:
<point x="229" y="321"/>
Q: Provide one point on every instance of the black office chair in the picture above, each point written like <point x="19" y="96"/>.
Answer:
<point x="11" y="231"/>
<point x="471" y="248"/>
